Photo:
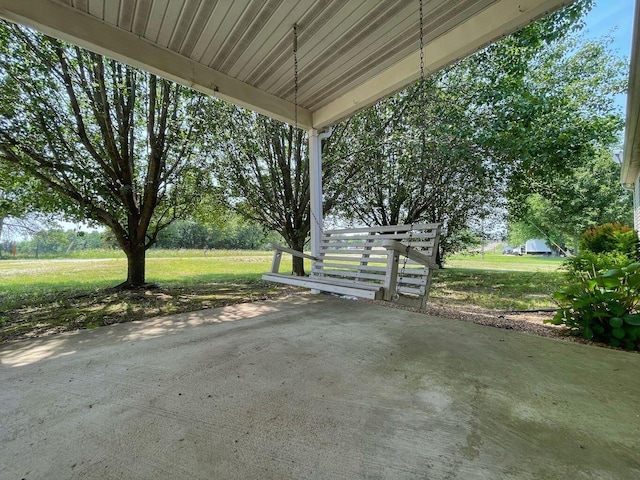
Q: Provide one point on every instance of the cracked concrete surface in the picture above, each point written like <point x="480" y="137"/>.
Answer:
<point x="315" y="387"/>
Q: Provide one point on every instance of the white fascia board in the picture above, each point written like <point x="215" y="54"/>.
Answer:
<point x="83" y="30"/>
<point x="496" y="21"/>
<point x="631" y="153"/>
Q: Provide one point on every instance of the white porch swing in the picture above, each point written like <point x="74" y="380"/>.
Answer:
<point x="393" y="263"/>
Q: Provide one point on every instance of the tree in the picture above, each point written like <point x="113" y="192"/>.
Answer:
<point x="418" y="159"/>
<point x="562" y="119"/>
<point x="234" y="233"/>
<point x="591" y="195"/>
<point x="107" y="142"/>
<point x="264" y="168"/>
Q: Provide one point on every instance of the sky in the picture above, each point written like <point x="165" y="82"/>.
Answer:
<point x="612" y="14"/>
<point x="613" y="17"/>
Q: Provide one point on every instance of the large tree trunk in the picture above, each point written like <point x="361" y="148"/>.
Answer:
<point x="298" y="266"/>
<point x="298" y="263"/>
<point x="135" y="267"/>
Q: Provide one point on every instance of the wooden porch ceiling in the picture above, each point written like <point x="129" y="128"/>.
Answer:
<point x="351" y="53"/>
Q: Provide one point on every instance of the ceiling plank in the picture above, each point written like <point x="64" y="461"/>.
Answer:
<point x="499" y="19"/>
<point x="71" y="25"/>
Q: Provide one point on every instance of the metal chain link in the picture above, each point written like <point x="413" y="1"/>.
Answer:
<point x="421" y="44"/>
<point x="295" y="99"/>
<point x="315" y="219"/>
<point x="295" y="73"/>
<point x="396" y="296"/>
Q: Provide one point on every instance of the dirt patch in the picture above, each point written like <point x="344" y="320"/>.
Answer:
<point x="531" y="322"/>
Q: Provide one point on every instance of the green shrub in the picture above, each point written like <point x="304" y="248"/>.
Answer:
<point x="603" y="307"/>
<point x="611" y="238"/>
<point x="592" y="263"/>
<point x="604" y="247"/>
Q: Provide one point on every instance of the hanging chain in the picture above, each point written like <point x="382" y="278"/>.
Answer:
<point x="396" y="296"/>
<point x="421" y="44"/>
<point x="295" y="72"/>
<point x="315" y="219"/>
<point x="295" y="98"/>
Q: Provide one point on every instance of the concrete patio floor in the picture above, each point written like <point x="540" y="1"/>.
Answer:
<point x="315" y="387"/>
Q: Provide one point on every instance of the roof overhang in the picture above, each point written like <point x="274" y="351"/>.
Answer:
<point x="631" y="152"/>
<point x="351" y="53"/>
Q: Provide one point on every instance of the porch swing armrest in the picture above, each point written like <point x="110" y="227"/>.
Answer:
<point x="295" y="253"/>
<point x="412" y="253"/>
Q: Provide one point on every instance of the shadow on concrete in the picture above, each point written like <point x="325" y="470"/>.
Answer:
<point x="25" y="352"/>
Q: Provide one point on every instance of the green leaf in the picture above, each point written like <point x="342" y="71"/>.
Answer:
<point x="632" y="319"/>
<point x="558" y="319"/>
<point x="633" y="281"/>
<point x="618" y="333"/>
<point x="632" y="333"/>
<point x="591" y="283"/>
<point x="633" y="267"/>
<point x="616" y="322"/>
<point x="614" y="272"/>
<point x="611" y="281"/>
<point x="583" y="302"/>
<point x="616" y="308"/>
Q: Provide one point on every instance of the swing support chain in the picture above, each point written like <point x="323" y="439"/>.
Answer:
<point x="396" y="295"/>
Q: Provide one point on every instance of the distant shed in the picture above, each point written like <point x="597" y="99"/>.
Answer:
<point x="537" y="246"/>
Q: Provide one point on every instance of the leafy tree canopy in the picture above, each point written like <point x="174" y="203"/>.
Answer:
<point x="591" y="195"/>
<point x="101" y="140"/>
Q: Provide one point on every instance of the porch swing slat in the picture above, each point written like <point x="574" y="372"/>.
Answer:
<point x="352" y="251"/>
<point x="368" y="267"/>
<point x="348" y="274"/>
<point x="367" y="243"/>
<point x="384" y="229"/>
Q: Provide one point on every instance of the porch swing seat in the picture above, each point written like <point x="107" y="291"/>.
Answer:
<point x="392" y="263"/>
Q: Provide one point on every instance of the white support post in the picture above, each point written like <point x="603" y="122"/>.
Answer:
<point x="315" y="184"/>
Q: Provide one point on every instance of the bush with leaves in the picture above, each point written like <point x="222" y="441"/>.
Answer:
<point x="611" y="238"/>
<point x="604" y="247"/>
<point x="603" y="307"/>
<point x="592" y="263"/>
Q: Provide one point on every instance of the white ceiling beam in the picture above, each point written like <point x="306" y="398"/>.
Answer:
<point x="69" y="24"/>
<point x="631" y="152"/>
<point x="501" y="18"/>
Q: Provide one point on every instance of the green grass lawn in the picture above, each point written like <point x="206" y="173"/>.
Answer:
<point x="503" y="282"/>
<point x="108" y="268"/>
<point x="44" y="296"/>
<point x="497" y="261"/>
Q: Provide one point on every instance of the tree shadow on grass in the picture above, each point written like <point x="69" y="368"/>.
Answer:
<point x="497" y="289"/>
<point x="42" y="310"/>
